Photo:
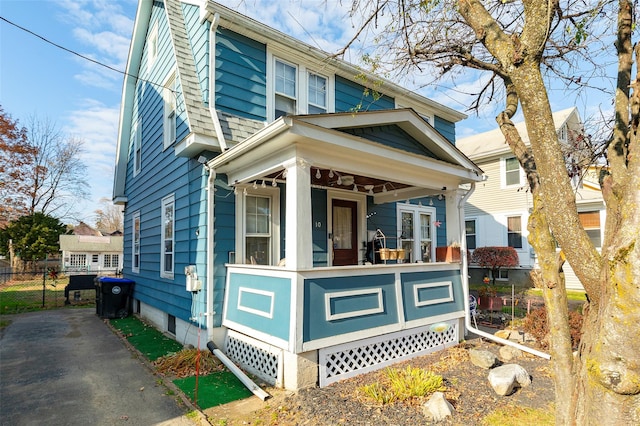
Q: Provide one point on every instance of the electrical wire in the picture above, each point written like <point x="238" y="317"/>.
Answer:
<point x="81" y="55"/>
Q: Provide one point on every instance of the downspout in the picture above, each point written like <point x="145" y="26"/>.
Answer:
<point x="465" y="288"/>
<point x="210" y="311"/>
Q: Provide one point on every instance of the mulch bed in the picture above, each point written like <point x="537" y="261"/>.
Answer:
<point x="468" y="390"/>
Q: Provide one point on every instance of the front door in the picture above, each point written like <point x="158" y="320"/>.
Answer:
<point x="345" y="232"/>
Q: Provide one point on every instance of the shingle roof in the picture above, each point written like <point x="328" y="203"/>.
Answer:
<point x="236" y="129"/>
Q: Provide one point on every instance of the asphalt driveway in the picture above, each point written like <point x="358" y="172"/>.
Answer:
<point x="66" y="367"/>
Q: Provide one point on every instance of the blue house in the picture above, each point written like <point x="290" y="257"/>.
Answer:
<point x="282" y="203"/>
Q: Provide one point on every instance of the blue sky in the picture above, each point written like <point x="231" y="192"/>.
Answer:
<point x="83" y="99"/>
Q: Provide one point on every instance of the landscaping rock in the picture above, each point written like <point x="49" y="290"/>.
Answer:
<point x="507" y="353"/>
<point x="482" y="359"/>
<point x="506" y="378"/>
<point x="503" y="334"/>
<point x="437" y="407"/>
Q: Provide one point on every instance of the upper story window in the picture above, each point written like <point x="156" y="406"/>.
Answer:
<point x="470" y="231"/>
<point x="167" y="237"/>
<point x="135" y="243"/>
<point x="511" y="171"/>
<point x="152" y="46"/>
<point x="285" y="90"/>
<point x="137" y="148"/>
<point x="169" y="121"/>
<point x="317" y="94"/>
<point x="591" y="223"/>
<point x="514" y="231"/>
<point x="296" y="89"/>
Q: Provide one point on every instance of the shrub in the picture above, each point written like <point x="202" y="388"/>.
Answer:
<point x="495" y="258"/>
<point x="535" y="323"/>
<point x="401" y="385"/>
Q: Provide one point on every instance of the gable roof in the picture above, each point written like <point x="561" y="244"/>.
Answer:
<point x="202" y="121"/>
<point x="320" y="141"/>
<point x="492" y="143"/>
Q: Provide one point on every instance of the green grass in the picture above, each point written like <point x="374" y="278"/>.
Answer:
<point x="572" y="295"/>
<point x="213" y="389"/>
<point x="518" y="416"/>
<point x="146" y="338"/>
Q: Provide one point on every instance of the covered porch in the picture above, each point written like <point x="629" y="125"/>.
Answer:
<point x="337" y="220"/>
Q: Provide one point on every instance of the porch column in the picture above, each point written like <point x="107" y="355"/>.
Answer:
<point x="453" y="217"/>
<point x="298" y="243"/>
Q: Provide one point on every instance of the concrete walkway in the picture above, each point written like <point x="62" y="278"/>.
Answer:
<point x="66" y="367"/>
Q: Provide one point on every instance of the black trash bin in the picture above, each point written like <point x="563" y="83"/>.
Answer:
<point x="113" y="297"/>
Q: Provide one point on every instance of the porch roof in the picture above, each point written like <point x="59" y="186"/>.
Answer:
<point x="325" y="142"/>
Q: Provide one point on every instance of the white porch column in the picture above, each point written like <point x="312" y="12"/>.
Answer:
<point x="298" y="243"/>
<point x="454" y="226"/>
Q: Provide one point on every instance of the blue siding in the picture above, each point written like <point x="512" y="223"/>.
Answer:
<point x="351" y="96"/>
<point x="315" y="323"/>
<point x="319" y="224"/>
<point x="241" y="70"/>
<point x="163" y="174"/>
<point x="268" y="311"/>
<point x="413" y="312"/>
<point x="224" y="240"/>
<point x="445" y="128"/>
<point x="391" y="136"/>
<point x="199" y="40"/>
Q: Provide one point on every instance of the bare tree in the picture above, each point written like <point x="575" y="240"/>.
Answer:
<point x="57" y="177"/>
<point x="15" y="154"/>
<point x="527" y="47"/>
<point x="110" y="217"/>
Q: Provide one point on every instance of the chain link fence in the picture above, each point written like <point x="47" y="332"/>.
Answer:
<point x="41" y="289"/>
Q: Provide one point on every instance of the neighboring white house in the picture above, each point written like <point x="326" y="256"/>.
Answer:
<point x="89" y="251"/>
<point x="497" y="212"/>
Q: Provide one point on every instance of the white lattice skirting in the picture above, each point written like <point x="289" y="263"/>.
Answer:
<point x="354" y="358"/>
<point x="256" y="357"/>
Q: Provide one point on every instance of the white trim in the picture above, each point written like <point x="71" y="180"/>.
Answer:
<point x="416" y="210"/>
<point x="137" y="146"/>
<point x="135" y="216"/>
<point x="167" y="201"/>
<point x="152" y="54"/>
<point x="503" y="173"/>
<point x="416" y="296"/>
<point x="250" y="331"/>
<point x="352" y="314"/>
<point x="274" y="195"/>
<point x="169" y="98"/>
<point x="254" y="311"/>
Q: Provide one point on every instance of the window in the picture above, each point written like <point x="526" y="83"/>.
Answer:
<point x="470" y="230"/>
<point x="135" y="242"/>
<point x="259" y="217"/>
<point x="168" y="222"/>
<point x="317" y="94"/>
<point x="137" y="148"/>
<point x="169" y="122"/>
<point x="417" y="232"/>
<point x="78" y="260"/>
<point x="110" y="261"/>
<point x="591" y="223"/>
<point x="285" y="89"/>
<point x="153" y="46"/>
<point x="514" y="231"/>
<point x="95" y="258"/>
<point x="296" y="88"/>
<point x="511" y="171"/>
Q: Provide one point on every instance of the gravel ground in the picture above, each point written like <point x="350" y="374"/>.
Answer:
<point x="343" y="403"/>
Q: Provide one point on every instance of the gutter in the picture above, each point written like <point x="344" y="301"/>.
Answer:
<point x="465" y="288"/>
<point x="210" y="311"/>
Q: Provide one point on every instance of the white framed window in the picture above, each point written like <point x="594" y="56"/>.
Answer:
<point x="167" y="237"/>
<point x="110" y="261"/>
<point x="152" y="46"/>
<point x="135" y="243"/>
<point x="295" y="88"/>
<point x="514" y="231"/>
<point x="471" y="233"/>
<point x="416" y="226"/>
<point x="137" y="148"/>
<point x="95" y="258"/>
<point x="591" y="224"/>
<point x="78" y="260"/>
<point x="317" y="97"/>
<point x="512" y="174"/>
<point x="258" y="226"/>
<point x="169" y="111"/>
